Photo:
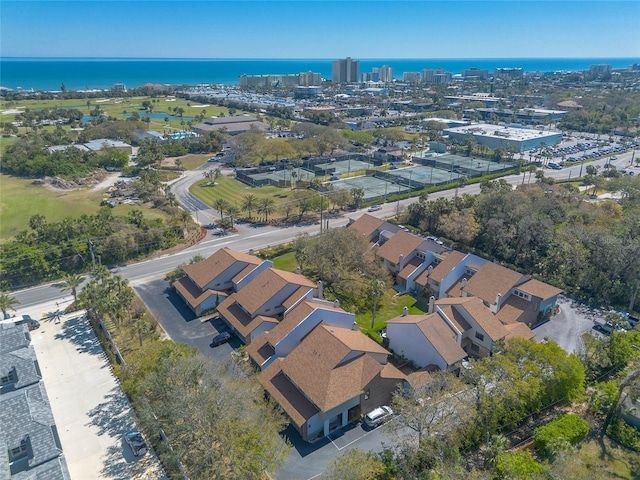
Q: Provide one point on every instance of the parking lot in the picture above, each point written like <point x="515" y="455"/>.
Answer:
<point x="565" y="328"/>
<point x="91" y="412"/>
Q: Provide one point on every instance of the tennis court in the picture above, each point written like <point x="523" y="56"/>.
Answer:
<point x="374" y="188"/>
<point x="467" y="166"/>
<point x="341" y="166"/>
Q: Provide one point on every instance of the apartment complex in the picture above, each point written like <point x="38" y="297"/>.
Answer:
<point x="345" y="70"/>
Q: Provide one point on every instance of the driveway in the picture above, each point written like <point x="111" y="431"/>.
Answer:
<point x="565" y="328"/>
<point x="309" y="460"/>
<point x="181" y="324"/>
<point x="306" y="460"/>
<point x="90" y="410"/>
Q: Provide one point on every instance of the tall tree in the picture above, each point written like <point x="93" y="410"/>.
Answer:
<point x="267" y="206"/>
<point x="72" y="282"/>
<point x="7" y="302"/>
<point x="249" y="203"/>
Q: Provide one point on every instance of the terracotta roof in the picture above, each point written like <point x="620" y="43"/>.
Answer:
<point x="410" y="267"/>
<point x="389" y="371"/>
<point x="294" y="317"/>
<point x="243" y="273"/>
<point x="293" y="402"/>
<point x="487" y="320"/>
<point x="491" y="279"/>
<point x="423" y="277"/>
<point x="516" y="309"/>
<point x="355" y="340"/>
<point x="419" y="378"/>
<point x="438" y="333"/>
<point x="451" y="260"/>
<point x="260" y="349"/>
<point x="402" y="243"/>
<point x="295" y="297"/>
<point x="443" y="339"/>
<point x="290" y="320"/>
<point x="238" y="318"/>
<point x="539" y="289"/>
<point x="366" y="225"/>
<point x="265" y="286"/>
<point x="205" y="271"/>
<point x="318" y="368"/>
<point x="456" y="318"/>
<point x="191" y="293"/>
<point x="519" y="330"/>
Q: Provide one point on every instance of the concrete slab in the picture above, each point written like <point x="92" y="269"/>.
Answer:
<point x="91" y="412"/>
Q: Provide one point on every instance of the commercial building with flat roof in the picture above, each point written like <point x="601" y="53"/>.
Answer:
<point x="498" y="136"/>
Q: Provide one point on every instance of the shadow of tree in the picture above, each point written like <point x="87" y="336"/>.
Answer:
<point x="112" y="418"/>
<point x="79" y="332"/>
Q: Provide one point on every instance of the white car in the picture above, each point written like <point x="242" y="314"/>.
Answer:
<point x="378" y="416"/>
<point x="375" y="208"/>
<point x="436" y="240"/>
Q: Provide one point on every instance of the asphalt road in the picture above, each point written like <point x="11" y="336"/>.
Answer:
<point x="249" y="237"/>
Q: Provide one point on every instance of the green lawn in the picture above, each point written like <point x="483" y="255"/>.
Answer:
<point x="233" y="190"/>
<point x="390" y="307"/>
<point x="20" y="199"/>
<point x="286" y="262"/>
<point x="116" y="106"/>
<point x="611" y="462"/>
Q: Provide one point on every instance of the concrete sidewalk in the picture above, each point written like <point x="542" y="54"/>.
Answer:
<point x="91" y="412"/>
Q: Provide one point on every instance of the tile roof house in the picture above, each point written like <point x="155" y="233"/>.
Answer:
<point x="332" y="373"/>
<point x="296" y="323"/>
<point x="28" y="432"/>
<point x="426" y="339"/>
<point x="422" y="266"/>
<point x="213" y="279"/>
<point x="261" y="304"/>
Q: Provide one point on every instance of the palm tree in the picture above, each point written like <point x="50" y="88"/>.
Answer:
<point x="142" y="326"/>
<point x="232" y="211"/>
<point x="7" y="302"/>
<point x="249" y="202"/>
<point x="221" y="205"/>
<point x="72" y="282"/>
<point x="266" y="205"/>
<point x="376" y="288"/>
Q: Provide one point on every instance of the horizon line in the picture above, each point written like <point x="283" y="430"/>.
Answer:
<point x="307" y="58"/>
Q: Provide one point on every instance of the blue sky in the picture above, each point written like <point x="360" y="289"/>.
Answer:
<point x="320" y="29"/>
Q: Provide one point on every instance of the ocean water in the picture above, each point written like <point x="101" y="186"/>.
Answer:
<point x="98" y="73"/>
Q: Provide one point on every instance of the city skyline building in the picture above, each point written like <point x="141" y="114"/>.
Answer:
<point x="345" y="70"/>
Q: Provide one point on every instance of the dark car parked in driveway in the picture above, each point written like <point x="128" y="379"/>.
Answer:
<point x="221" y="338"/>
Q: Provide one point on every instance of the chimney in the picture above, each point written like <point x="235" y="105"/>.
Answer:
<point x="336" y="303"/>
<point x="429" y="270"/>
<point x="320" y="291"/>
<point x="498" y="297"/>
<point x="463" y="283"/>
<point x="405" y="311"/>
<point x="432" y="304"/>
<point x="400" y="259"/>
<point x="354" y="327"/>
<point x="251" y="251"/>
<point x="298" y="270"/>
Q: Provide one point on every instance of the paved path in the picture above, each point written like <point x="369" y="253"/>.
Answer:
<point x="90" y="410"/>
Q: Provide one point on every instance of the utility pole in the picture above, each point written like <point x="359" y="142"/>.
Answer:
<point x="93" y="257"/>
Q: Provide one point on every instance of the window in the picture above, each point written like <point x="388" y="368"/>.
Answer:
<point x="18" y="452"/>
<point x="475" y="348"/>
<point x="420" y="255"/>
<point x="479" y="336"/>
<point x="470" y="272"/>
<point x="9" y="378"/>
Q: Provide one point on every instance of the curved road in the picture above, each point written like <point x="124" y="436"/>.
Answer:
<point x="250" y="237"/>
